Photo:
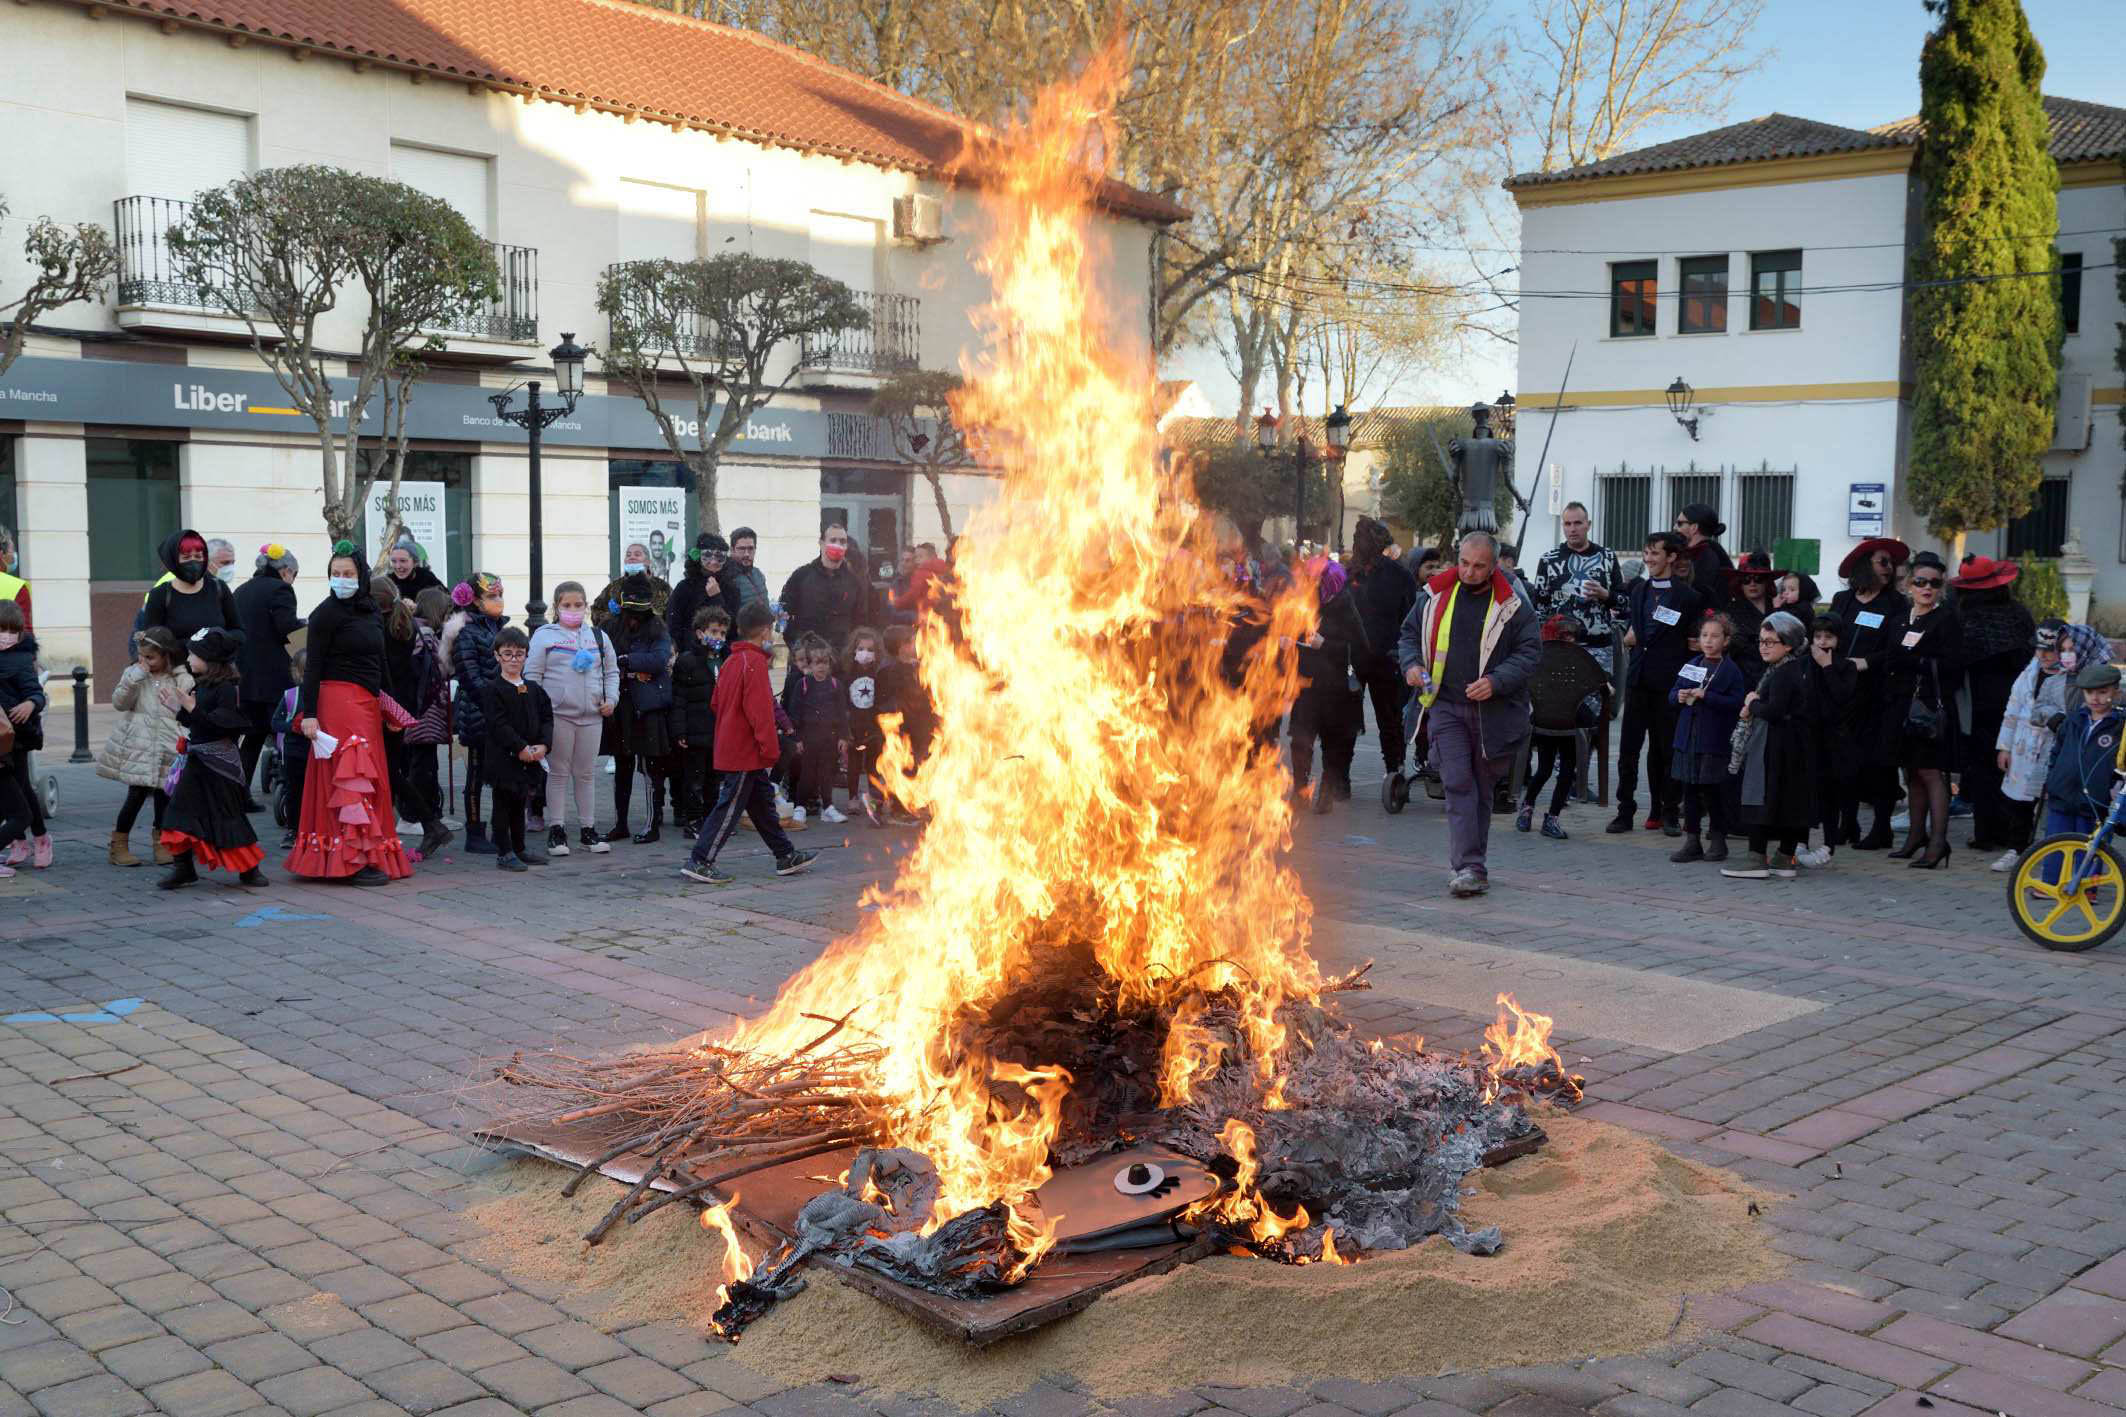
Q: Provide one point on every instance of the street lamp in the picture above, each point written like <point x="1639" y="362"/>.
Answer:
<point x="534" y="417"/>
<point x="1338" y="428"/>
<point x="1502" y="409"/>
<point x="1679" y="398"/>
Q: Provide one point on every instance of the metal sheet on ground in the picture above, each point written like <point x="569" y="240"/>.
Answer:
<point x="1632" y="1006"/>
<point x="767" y="1206"/>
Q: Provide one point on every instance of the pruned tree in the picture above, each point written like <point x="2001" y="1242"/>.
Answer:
<point x="1251" y="489"/>
<point x="704" y="335"/>
<point x="1984" y="311"/>
<point x="1417" y="482"/>
<point x="917" y="409"/>
<point x="279" y="249"/>
<point x="67" y="263"/>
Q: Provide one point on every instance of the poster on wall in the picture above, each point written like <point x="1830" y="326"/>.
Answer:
<point x="1865" y="513"/>
<point x="421" y="512"/>
<point x="654" y="517"/>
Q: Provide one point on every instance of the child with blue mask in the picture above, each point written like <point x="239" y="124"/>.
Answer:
<point x="694" y="721"/>
<point x="574" y="662"/>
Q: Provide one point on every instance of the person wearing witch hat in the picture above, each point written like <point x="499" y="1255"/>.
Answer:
<point x="1873" y="615"/>
<point x="1698" y="524"/>
<point x="205" y="825"/>
<point x="1750" y="588"/>
<point x="349" y="830"/>
<point x="1998" y="635"/>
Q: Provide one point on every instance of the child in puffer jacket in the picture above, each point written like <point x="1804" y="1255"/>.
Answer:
<point x="141" y="748"/>
<point x="472" y="653"/>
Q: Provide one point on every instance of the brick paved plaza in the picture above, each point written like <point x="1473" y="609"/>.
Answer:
<point x="263" y="1214"/>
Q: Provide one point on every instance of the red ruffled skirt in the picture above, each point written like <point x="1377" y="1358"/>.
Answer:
<point x="220" y="858"/>
<point x="348" y="822"/>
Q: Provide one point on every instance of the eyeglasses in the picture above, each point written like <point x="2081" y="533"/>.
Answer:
<point x="1770" y="640"/>
<point x="509" y="654"/>
<point x="1926" y="580"/>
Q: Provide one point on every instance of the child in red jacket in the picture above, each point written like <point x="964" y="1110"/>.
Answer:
<point x="746" y="750"/>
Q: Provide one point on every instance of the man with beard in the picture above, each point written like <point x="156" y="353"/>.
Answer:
<point x="740" y="571"/>
<point x="1383" y="593"/>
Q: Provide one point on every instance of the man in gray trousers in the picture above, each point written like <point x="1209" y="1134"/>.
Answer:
<point x="1468" y="647"/>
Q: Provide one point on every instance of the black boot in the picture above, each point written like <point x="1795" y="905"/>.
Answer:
<point x="434" y="837"/>
<point x="477" y="841"/>
<point x="182" y="873"/>
<point x="254" y="878"/>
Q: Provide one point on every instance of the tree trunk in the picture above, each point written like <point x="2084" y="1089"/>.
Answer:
<point x="339" y="525"/>
<point x="703" y="466"/>
<point x="937" y="491"/>
<point x="1953" y="550"/>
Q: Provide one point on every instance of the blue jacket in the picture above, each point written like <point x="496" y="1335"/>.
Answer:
<point x="2082" y="762"/>
<point x="18" y="683"/>
<point x="1706" y="726"/>
<point x="645" y="655"/>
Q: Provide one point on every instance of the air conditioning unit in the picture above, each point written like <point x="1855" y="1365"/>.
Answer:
<point x="2070" y="433"/>
<point x="918" y="219"/>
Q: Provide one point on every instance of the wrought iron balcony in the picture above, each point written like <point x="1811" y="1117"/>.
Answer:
<point x="513" y="315"/>
<point x="148" y="267"/>
<point x="694" y="335"/>
<point x="890" y="344"/>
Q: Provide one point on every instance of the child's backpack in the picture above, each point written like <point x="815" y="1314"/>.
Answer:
<point x="431" y="705"/>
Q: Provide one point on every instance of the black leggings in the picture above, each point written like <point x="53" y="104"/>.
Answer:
<point x="130" y="812"/>
<point x="817" y="768"/>
<point x="1702" y="799"/>
<point x="15" y="809"/>
<point x="26" y="786"/>
<point x="1761" y="838"/>
<point x="1563" y="754"/>
<point x="473" y="764"/>
<point x="624" y="765"/>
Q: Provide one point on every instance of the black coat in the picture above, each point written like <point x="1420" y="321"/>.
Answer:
<point x="1881" y="732"/>
<point x="472" y="656"/>
<point x="1325" y="670"/>
<point x="212" y="606"/>
<point x="1664" y="646"/>
<point x="691" y="595"/>
<point x="346" y="644"/>
<point x="1383" y="596"/>
<point x="265" y="611"/>
<point x="1928" y="673"/>
<point x="1786" y="708"/>
<point x="830" y="604"/>
<point x="516" y="716"/>
<point x="18" y="684"/>
<point x="411" y="586"/>
<point x="1709" y="565"/>
<point x="693" y="691"/>
<point x="1748" y="621"/>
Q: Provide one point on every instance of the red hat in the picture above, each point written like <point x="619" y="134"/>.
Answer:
<point x="1753" y="563"/>
<point x="1899" y="553"/>
<point x="1984" y="573"/>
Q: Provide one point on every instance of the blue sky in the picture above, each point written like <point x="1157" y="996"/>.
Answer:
<point x="1852" y="62"/>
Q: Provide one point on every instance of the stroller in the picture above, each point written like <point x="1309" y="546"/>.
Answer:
<point x="1395" y="788"/>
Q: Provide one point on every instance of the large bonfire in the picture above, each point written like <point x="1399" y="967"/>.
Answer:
<point x="1095" y="938"/>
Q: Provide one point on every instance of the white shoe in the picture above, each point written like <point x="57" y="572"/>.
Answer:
<point x="797" y="814"/>
<point x="832" y="814"/>
<point x="1814" y="856"/>
<point x="2006" y="860"/>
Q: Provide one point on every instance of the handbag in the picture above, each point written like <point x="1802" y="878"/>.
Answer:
<point x="1922" y="721"/>
<point x="1738" y="745"/>
<point x="395" y="715"/>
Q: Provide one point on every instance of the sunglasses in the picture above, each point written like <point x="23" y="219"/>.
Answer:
<point x="1926" y="580"/>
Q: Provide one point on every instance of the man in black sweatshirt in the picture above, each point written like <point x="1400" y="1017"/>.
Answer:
<point x="1661" y="619"/>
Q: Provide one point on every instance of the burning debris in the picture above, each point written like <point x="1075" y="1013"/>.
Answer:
<point x="1095" y="946"/>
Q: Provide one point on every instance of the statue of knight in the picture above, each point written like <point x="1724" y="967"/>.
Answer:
<point x="1479" y="461"/>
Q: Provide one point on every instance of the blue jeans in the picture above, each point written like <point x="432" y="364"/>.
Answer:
<point x="2056" y="821"/>
<point x="750" y="793"/>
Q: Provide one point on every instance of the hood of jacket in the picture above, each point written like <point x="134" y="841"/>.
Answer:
<point x="1501" y="584"/>
<point x="167" y="552"/>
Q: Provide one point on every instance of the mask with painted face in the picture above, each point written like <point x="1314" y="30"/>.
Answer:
<point x="713" y="643"/>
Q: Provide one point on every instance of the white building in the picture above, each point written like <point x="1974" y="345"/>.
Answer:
<point x="1761" y="264"/>
<point x="572" y="133"/>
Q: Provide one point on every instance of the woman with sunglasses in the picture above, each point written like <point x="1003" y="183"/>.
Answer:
<point x="1926" y="670"/>
<point x="1751" y="585"/>
<point x="1872" y="614"/>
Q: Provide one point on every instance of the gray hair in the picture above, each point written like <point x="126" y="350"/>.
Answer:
<point x="285" y="562"/>
<point x="1480" y="538"/>
<point x="1788" y="628"/>
<point x="216" y="545"/>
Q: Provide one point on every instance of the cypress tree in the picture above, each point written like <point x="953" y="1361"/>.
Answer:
<point x="1986" y="352"/>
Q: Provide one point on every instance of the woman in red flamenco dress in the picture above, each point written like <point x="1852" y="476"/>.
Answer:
<point x="348" y="830"/>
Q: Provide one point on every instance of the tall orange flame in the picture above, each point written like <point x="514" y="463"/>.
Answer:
<point x="1095" y="781"/>
<point x="1518" y="1038"/>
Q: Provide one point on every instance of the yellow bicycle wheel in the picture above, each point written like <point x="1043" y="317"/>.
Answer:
<point x="2046" y="912"/>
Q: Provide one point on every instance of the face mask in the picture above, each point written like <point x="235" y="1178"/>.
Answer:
<point x="865" y="656"/>
<point x="226" y="574"/>
<point x="491" y="607"/>
<point x="2068" y="658"/>
<point x="190" y="572"/>
<point x="637" y="568"/>
<point x="571" y="619"/>
<point x="9" y="639"/>
<point x="344" y="586"/>
<point x="832" y="555"/>
<point x="714" y="643"/>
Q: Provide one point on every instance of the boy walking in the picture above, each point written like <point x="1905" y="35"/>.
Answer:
<point x="746" y="751"/>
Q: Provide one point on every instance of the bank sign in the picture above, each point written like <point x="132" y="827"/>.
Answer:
<point x="164" y="396"/>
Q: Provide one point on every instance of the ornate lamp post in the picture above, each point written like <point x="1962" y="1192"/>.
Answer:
<point x="1679" y="401"/>
<point x="1303" y="457"/>
<point x="568" y="357"/>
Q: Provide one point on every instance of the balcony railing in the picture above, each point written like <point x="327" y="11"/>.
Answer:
<point x="694" y="335"/>
<point x="513" y="315"/>
<point x="148" y="268"/>
<point x="890" y="344"/>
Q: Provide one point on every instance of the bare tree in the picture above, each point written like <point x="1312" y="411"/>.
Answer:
<point x="706" y="332"/>
<point x="70" y="264"/>
<point x="917" y="411"/>
<point x="277" y="250"/>
<point x="1597" y="72"/>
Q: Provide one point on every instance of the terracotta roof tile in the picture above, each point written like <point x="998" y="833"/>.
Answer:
<point x="1776" y="135"/>
<point x="2081" y="131"/>
<point x="631" y="58"/>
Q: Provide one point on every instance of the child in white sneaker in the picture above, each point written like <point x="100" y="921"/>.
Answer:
<point x="819" y="708"/>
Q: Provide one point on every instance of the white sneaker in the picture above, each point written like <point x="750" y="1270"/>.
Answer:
<point x="833" y="814"/>
<point x="1814" y="856"/>
<point x="2007" y="859"/>
<point x="797" y="814"/>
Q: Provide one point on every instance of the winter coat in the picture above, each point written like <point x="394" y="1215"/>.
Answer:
<point x="265" y="610"/>
<point x="1510" y="650"/>
<point x="411" y="586"/>
<point x="694" y="693"/>
<point x="2082" y="764"/>
<point x="1779" y="779"/>
<point x="1383" y="595"/>
<point x="749" y="583"/>
<point x="18" y="683"/>
<point x="819" y="708"/>
<point x="692" y="595"/>
<point x="516" y="716"/>
<point x="744" y="705"/>
<point x="1709" y="565"/>
<point x="1743" y="648"/>
<point x="1840" y="743"/>
<point x="830" y="604"/>
<point x="645" y="656"/>
<point x="605" y="610"/>
<point x="212" y="606"/>
<point x="1930" y="672"/>
<point x="1707" y="725"/>
<point x="1881" y="731"/>
<point x="1325" y="670"/>
<point x="575" y="693"/>
<point x="139" y="750"/>
<point x="1664" y="620"/>
<point x="2026" y="734"/>
<point x="472" y="655"/>
<point x="1558" y="578"/>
